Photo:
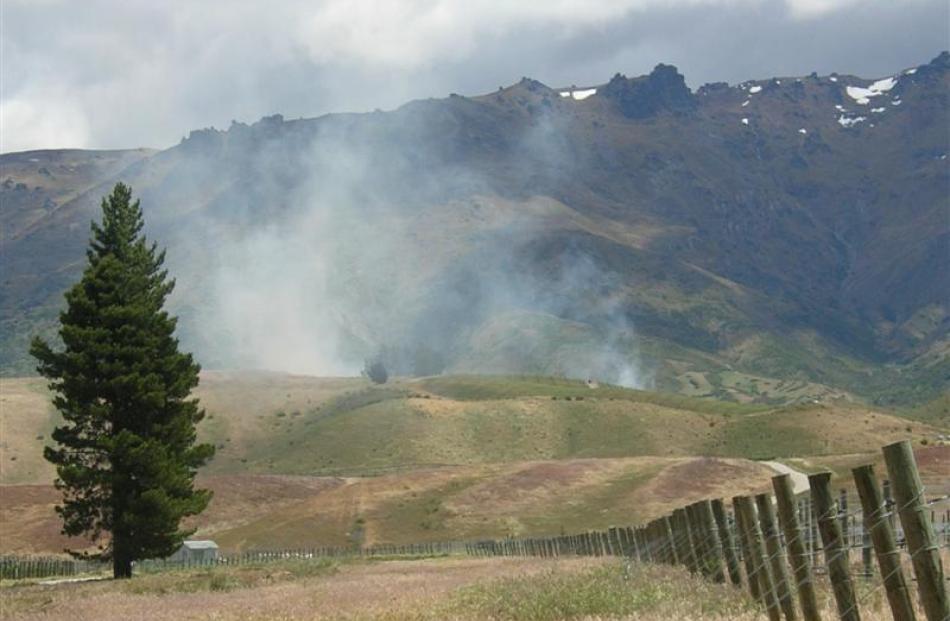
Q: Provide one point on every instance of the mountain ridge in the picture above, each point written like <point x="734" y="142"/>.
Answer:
<point x="758" y="229"/>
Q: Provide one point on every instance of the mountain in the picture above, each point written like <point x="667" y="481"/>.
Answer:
<point x="776" y="240"/>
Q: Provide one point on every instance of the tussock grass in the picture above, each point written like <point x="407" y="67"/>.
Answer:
<point x="443" y="589"/>
<point x="481" y="387"/>
<point x="223" y="578"/>
<point x="614" y="591"/>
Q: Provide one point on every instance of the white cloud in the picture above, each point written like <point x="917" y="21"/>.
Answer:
<point x="408" y="33"/>
<point x="807" y="9"/>
<point x="40" y="122"/>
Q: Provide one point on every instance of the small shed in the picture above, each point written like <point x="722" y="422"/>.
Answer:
<point x="196" y="552"/>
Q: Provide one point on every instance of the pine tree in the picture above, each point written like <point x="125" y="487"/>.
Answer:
<point x="126" y="455"/>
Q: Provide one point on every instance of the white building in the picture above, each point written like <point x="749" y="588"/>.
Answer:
<point x="195" y="552"/>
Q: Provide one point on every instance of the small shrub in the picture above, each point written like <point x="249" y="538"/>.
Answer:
<point x="221" y="582"/>
<point x="376" y="371"/>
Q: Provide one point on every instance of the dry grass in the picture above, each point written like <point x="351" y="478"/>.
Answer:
<point x="26" y="420"/>
<point x="459" y="502"/>
<point x="267" y="592"/>
<point x="500" y="589"/>
<point x="268" y="423"/>
<point x="933" y="463"/>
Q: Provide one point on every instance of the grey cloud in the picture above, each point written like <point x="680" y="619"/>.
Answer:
<point x="102" y="74"/>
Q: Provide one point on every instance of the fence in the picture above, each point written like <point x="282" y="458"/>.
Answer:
<point x="774" y="546"/>
<point x="19" y="567"/>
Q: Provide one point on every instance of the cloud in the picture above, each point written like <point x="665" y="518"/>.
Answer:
<point x="26" y="121"/>
<point x="107" y="74"/>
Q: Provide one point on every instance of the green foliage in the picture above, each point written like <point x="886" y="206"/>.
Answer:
<point x="376" y="371"/>
<point x="161" y="580"/>
<point x="610" y="592"/>
<point x="935" y="412"/>
<point x="126" y="454"/>
<point x="480" y="387"/>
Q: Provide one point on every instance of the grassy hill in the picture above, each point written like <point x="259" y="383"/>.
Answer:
<point x="266" y="423"/>
<point x="309" y="461"/>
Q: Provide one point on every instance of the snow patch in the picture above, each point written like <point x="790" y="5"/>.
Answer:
<point x="848" y="122"/>
<point x="745" y="103"/>
<point x="754" y="90"/>
<point x="839" y="108"/>
<point x="745" y="121"/>
<point x="863" y="95"/>
<point x="896" y="102"/>
<point x="802" y="131"/>
<point x="878" y="110"/>
<point x="833" y="79"/>
<point x="910" y="72"/>
<point x="578" y="95"/>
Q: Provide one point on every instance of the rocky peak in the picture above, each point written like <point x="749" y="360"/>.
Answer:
<point x="663" y="89"/>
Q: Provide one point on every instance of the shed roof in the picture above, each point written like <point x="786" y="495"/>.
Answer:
<point x="206" y="544"/>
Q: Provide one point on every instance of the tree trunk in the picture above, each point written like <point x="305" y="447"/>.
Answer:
<point x="121" y="559"/>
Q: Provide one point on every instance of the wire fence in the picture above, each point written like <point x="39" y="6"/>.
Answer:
<point x="816" y="536"/>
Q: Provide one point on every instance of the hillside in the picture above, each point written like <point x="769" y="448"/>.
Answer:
<point x="309" y="461"/>
<point x="775" y="241"/>
<point x="265" y="423"/>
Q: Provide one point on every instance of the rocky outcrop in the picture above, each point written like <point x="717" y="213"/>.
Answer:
<point x="663" y="90"/>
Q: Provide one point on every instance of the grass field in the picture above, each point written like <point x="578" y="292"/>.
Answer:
<point x="500" y="589"/>
<point x="278" y="424"/>
<point x="321" y="461"/>
<point x="426" y="504"/>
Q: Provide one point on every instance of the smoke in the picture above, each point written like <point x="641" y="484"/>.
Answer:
<point x="388" y="235"/>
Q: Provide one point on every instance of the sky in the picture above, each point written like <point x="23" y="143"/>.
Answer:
<point x="134" y="73"/>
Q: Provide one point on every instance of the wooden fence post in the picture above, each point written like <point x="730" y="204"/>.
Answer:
<point x="644" y="543"/>
<point x="659" y="547"/>
<point x="918" y="530"/>
<point x="714" y="544"/>
<point x="773" y="546"/>
<point x="797" y="554"/>
<point x="885" y="545"/>
<point x="699" y="540"/>
<point x="835" y="559"/>
<point x="843" y="517"/>
<point x="760" y="567"/>
<point x="752" y="580"/>
<point x="671" y="539"/>
<point x="728" y="546"/>
<point x="681" y="529"/>
<point x="692" y="560"/>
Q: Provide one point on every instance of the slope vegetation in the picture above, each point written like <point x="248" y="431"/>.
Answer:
<point x="772" y="241"/>
<point x="309" y="461"/>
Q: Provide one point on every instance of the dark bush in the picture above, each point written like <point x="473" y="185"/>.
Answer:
<point x="376" y="371"/>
